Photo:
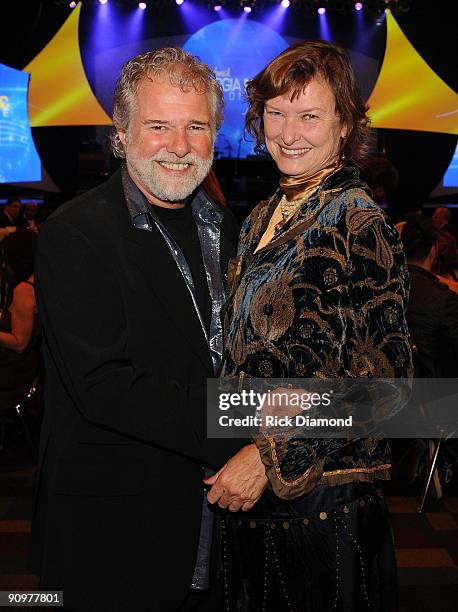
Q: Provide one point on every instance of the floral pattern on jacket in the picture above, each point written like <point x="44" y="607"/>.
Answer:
<point x="326" y="298"/>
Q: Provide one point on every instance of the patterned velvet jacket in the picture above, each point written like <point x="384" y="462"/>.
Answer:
<point x="326" y="297"/>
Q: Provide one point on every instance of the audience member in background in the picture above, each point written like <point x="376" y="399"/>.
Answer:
<point x="28" y="218"/>
<point x="382" y="177"/>
<point x="446" y="262"/>
<point x="444" y="267"/>
<point x="432" y="313"/>
<point x="10" y="213"/>
<point x="432" y="316"/>
<point x="443" y="220"/>
<point x="19" y="354"/>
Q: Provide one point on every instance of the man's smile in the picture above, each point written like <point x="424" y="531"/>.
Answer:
<point x="174" y="166"/>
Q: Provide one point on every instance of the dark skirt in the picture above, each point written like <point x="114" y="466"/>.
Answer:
<point x="329" y="550"/>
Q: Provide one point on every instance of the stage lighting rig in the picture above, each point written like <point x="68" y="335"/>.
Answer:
<point x="328" y="7"/>
<point x="247" y="5"/>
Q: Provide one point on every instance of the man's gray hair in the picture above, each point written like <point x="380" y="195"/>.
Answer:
<point x="180" y="69"/>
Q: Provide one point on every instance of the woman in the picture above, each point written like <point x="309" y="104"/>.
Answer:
<point x="19" y="353"/>
<point x="318" y="290"/>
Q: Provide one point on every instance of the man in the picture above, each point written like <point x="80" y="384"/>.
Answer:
<point x="129" y="288"/>
<point x="10" y="213"/>
<point x="432" y="317"/>
<point x="432" y="313"/>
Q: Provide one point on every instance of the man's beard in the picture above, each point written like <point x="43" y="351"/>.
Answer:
<point x="173" y="188"/>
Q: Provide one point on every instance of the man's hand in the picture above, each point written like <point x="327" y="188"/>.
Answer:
<point x="240" y="482"/>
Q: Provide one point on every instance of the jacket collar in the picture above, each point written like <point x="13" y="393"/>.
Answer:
<point x="341" y="180"/>
<point x="413" y="268"/>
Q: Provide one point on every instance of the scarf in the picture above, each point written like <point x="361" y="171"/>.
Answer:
<point x="297" y="187"/>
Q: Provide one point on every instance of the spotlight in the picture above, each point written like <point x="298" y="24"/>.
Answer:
<point x="247" y="9"/>
<point x="217" y="7"/>
<point x="72" y="4"/>
<point x="285" y="3"/>
<point x="321" y="10"/>
<point x="103" y="1"/>
<point x="358" y="6"/>
<point x="142" y="5"/>
<point x="179" y="2"/>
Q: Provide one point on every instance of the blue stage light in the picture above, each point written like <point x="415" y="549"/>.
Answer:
<point x="321" y="10"/>
<point x="358" y="6"/>
<point x="142" y="5"/>
<point x="285" y="3"/>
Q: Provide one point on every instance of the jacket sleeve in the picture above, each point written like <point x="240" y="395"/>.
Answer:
<point x="376" y="348"/>
<point x="84" y="324"/>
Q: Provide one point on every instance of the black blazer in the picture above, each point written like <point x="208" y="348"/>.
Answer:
<point x="123" y="440"/>
<point x="432" y="317"/>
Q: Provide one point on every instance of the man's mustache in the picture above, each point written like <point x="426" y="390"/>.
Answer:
<point x="188" y="159"/>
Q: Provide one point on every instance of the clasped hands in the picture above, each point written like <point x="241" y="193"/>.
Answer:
<point x="239" y="484"/>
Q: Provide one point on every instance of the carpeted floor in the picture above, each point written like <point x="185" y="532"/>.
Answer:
<point x="426" y="544"/>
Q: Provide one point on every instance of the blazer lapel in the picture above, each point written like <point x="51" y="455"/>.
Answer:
<point x="148" y="251"/>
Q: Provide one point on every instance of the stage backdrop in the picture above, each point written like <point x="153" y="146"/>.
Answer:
<point x="402" y="90"/>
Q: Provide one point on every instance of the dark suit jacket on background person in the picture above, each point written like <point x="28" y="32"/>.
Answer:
<point x="124" y="433"/>
<point x="432" y="317"/>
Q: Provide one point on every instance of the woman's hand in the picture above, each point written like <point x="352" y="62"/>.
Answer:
<point x="239" y="484"/>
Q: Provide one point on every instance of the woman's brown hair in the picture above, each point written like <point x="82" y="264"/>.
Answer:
<point x="292" y="70"/>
